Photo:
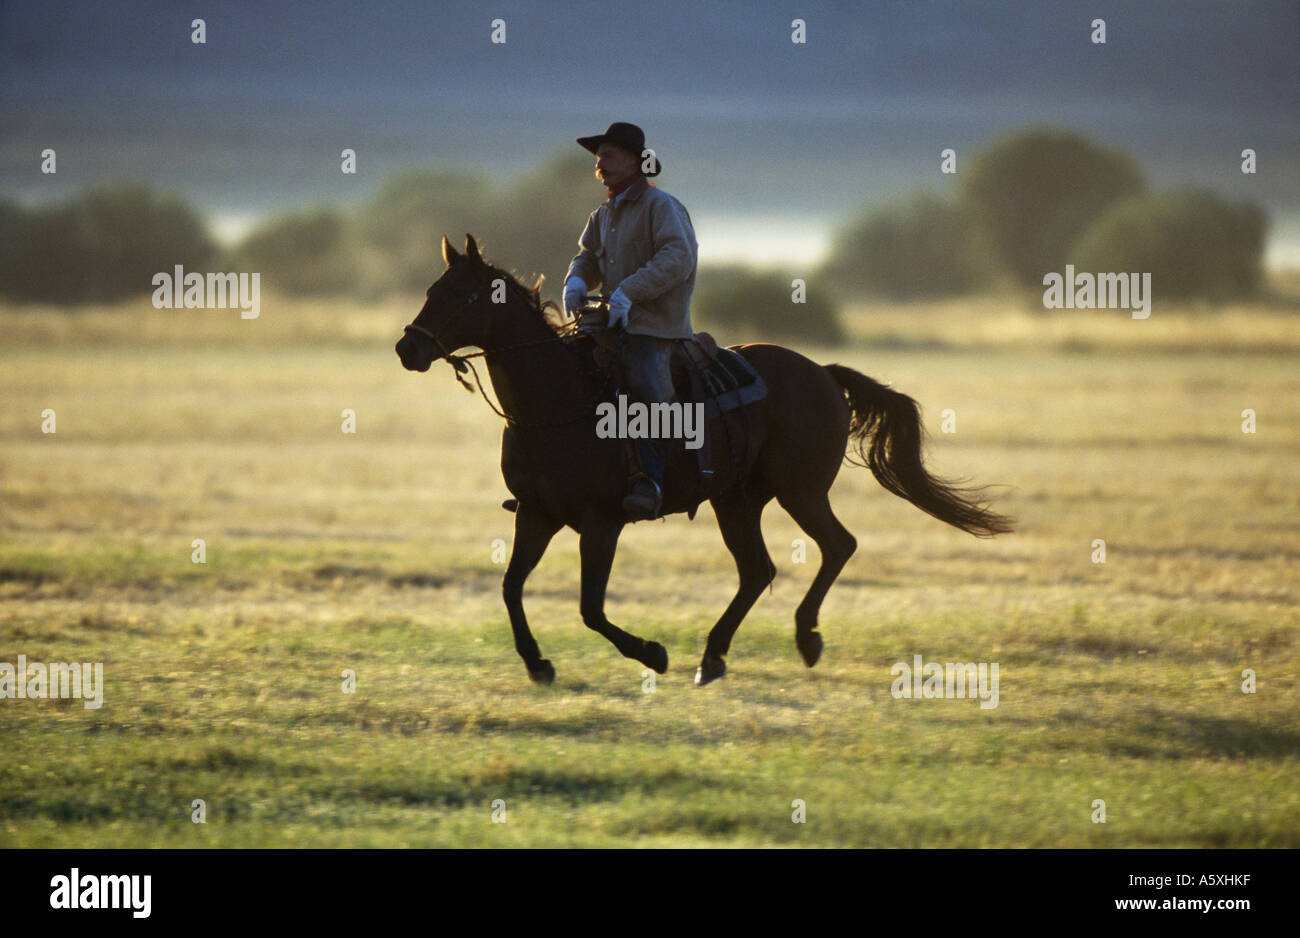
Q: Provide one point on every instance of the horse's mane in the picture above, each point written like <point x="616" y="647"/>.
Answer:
<point x="548" y="311"/>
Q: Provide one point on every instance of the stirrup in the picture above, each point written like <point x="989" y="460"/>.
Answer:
<point x="635" y="507"/>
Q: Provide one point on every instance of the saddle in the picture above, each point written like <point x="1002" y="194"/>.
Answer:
<point x="702" y="373"/>
<point x="720" y="378"/>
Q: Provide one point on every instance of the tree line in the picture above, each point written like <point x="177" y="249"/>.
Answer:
<point x="1026" y="205"/>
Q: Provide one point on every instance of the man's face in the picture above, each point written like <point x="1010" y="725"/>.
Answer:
<point x="614" y="165"/>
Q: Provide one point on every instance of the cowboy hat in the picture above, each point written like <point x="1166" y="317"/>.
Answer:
<point x="628" y="136"/>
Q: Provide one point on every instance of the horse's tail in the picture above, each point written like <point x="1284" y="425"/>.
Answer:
<point x="886" y="430"/>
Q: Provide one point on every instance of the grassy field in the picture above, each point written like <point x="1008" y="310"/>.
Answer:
<point x="374" y="552"/>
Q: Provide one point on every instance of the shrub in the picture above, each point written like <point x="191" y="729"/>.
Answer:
<point x="759" y="305"/>
<point x="307" y="254"/>
<point x="1034" y="192"/>
<point x="402" y="227"/>
<point x="924" y="247"/>
<point x="1192" y="243"/>
<point x="105" y="244"/>
<point x="537" y="221"/>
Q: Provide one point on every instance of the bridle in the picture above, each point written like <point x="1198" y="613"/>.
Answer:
<point x="462" y="363"/>
<point x="457" y="361"/>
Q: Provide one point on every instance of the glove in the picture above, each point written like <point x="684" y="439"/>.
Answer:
<point x="575" y="295"/>
<point x="619" y="307"/>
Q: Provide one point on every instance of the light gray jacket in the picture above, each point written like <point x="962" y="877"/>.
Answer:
<point x="644" y="243"/>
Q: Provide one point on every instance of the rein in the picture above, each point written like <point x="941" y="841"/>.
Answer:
<point x="463" y="363"/>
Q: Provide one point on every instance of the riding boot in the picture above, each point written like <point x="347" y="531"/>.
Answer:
<point x="646" y="497"/>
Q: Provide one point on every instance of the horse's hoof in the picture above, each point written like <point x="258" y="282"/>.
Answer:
<point x="544" y="673"/>
<point x="656" y="657"/>
<point x="810" y="646"/>
<point x="710" y="670"/>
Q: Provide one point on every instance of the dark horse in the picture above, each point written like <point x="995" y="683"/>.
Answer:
<point x="561" y="473"/>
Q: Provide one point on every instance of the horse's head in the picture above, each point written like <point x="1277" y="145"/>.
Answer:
<point x="451" y="317"/>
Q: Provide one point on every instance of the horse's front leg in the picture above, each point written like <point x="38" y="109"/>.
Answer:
<point x="533" y="532"/>
<point x="597" y="544"/>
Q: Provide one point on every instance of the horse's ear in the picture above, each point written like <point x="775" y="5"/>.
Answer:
<point x="471" y="248"/>
<point x="448" y="252"/>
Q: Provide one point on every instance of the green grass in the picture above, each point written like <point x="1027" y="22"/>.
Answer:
<point x="374" y="553"/>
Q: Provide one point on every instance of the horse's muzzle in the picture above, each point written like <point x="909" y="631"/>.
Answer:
<point x="412" y="357"/>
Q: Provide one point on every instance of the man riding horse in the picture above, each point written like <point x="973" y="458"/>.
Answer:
<point x="640" y="245"/>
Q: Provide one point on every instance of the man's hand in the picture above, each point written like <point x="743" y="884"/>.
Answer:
<point x="575" y="295"/>
<point x="619" y="307"/>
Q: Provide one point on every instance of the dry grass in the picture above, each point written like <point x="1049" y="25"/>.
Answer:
<point x="375" y="552"/>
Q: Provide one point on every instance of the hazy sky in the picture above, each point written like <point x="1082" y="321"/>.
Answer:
<point x="768" y="143"/>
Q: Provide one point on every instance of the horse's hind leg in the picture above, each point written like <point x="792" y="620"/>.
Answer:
<point x="740" y="520"/>
<point x="533" y="532"/>
<point x="811" y="510"/>
<point x="596" y="545"/>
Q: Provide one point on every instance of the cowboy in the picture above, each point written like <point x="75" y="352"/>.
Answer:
<point x="641" y="246"/>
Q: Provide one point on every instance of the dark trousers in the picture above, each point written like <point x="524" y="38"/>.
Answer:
<point x="645" y="360"/>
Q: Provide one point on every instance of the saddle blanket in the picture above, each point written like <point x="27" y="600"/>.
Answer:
<point x="721" y="377"/>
